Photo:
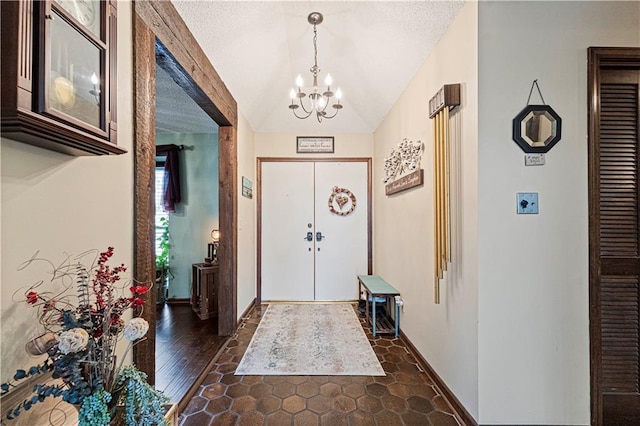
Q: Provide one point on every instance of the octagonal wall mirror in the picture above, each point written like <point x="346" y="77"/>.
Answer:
<point x="537" y="128"/>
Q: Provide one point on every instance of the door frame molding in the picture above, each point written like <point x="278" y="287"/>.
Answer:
<point x="160" y="35"/>
<point x="598" y="57"/>
<point x="261" y="160"/>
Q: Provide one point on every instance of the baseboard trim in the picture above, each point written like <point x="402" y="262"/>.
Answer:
<point x="246" y="312"/>
<point x="195" y="387"/>
<point x="196" y="384"/>
<point x="462" y="414"/>
<point x="177" y="301"/>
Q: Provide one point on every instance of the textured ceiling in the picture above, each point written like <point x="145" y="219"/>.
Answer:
<point x="176" y="112"/>
<point x="371" y="48"/>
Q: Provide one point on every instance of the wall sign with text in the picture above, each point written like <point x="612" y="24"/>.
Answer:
<point x="314" y="145"/>
<point x="402" y="167"/>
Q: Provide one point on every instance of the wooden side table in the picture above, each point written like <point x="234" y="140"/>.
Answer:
<point x="204" y="290"/>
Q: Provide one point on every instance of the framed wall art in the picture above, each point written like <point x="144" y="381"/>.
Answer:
<point x="315" y="145"/>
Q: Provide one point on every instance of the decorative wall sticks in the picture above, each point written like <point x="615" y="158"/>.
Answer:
<point x="402" y="167"/>
<point x="447" y="98"/>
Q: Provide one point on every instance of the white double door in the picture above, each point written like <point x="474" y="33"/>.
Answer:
<point x="308" y="252"/>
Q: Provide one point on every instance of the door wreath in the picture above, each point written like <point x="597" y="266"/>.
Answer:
<point x="339" y="198"/>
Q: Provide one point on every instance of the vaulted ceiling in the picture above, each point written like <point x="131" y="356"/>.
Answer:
<point x="371" y="48"/>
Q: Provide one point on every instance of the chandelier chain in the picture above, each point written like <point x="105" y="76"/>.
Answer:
<point x="315" y="46"/>
<point x="315" y="68"/>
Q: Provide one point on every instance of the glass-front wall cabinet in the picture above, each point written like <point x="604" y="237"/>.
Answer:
<point x="65" y="63"/>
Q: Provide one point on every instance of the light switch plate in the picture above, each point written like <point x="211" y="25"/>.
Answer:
<point x="527" y="202"/>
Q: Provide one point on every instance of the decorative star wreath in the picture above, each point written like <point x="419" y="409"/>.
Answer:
<point x="341" y="196"/>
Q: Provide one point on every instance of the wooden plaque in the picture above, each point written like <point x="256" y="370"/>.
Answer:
<point x="405" y="182"/>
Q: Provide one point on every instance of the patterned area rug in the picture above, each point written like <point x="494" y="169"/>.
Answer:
<point x="306" y="340"/>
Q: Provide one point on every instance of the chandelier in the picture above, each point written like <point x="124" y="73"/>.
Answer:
<point x="319" y="101"/>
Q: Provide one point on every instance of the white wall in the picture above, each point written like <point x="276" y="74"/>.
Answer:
<point x="197" y="214"/>
<point x="284" y="145"/>
<point x="59" y="204"/>
<point x="246" y="217"/>
<point x="533" y="269"/>
<point x="445" y="334"/>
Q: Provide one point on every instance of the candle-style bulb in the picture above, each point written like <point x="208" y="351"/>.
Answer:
<point x="94" y="79"/>
<point x="328" y="80"/>
<point x="299" y="81"/>
<point x="338" y="93"/>
<point x="292" y="94"/>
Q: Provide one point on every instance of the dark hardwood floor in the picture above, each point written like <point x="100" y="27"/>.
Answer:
<point x="185" y="345"/>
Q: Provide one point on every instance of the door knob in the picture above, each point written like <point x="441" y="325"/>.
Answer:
<point x="319" y="236"/>
<point x="309" y="236"/>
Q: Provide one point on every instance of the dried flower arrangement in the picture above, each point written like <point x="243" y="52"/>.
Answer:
<point x="82" y="331"/>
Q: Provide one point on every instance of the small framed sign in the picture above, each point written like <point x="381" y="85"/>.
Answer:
<point x="314" y="145"/>
<point x="247" y="188"/>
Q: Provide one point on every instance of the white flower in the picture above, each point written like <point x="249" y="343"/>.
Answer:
<point x="135" y="328"/>
<point x="72" y="341"/>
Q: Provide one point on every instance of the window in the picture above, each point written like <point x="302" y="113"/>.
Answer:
<point x="160" y="213"/>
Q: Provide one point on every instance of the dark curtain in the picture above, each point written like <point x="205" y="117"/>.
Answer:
<point x="171" y="185"/>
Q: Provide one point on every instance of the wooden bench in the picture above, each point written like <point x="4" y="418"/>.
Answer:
<point x="375" y="287"/>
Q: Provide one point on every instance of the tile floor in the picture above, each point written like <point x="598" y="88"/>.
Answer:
<point x="405" y="396"/>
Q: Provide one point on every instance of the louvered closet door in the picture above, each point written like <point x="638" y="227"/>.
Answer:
<point x="619" y="247"/>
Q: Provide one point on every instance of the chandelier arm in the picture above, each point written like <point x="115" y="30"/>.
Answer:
<point x="301" y="117"/>
<point x="308" y="112"/>
<point x="326" y="104"/>
<point x="334" y="114"/>
<point x="319" y="116"/>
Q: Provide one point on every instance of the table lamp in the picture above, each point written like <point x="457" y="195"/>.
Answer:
<point x="213" y="246"/>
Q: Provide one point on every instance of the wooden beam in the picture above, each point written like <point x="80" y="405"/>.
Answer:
<point x="144" y="268"/>
<point x="158" y="28"/>
<point x="187" y="56"/>
<point x="228" y="217"/>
